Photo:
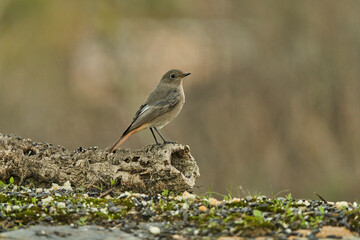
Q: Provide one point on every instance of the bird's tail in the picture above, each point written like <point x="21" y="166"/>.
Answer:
<point x="120" y="141"/>
<point x="126" y="135"/>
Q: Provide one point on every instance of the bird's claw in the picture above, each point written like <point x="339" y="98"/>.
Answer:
<point x="154" y="145"/>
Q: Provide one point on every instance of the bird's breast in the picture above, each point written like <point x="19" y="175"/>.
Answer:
<point x="163" y="120"/>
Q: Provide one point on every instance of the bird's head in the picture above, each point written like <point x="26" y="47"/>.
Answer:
<point x="174" y="76"/>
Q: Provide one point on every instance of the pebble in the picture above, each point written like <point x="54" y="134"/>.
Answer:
<point x="114" y="210"/>
<point x="186" y="196"/>
<point x="185" y="206"/>
<point x="253" y="204"/>
<point x="185" y="216"/>
<point x="15" y="208"/>
<point x="214" y="202"/>
<point x="30" y="206"/>
<point x="341" y="205"/>
<point x="235" y="200"/>
<point x="39" y="190"/>
<point x="136" y="202"/>
<point x="154" y="230"/>
<point x="61" y="205"/>
<point x="249" y="198"/>
<point x="32" y="194"/>
<point x="111" y="204"/>
<point x="178" y="215"/>
<point x="203" y="208"/>
<point x="148" y="212"/>
<point x="104" y="210"/>
<point x="47" y="200"/>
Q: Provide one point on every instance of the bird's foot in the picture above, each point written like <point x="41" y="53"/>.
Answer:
<point x="154" y="145"/>
<point x="169" y="142"/>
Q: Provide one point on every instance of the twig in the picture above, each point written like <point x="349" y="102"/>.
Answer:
<point x="92" y="186"/>
<point x="106" y="192"/>
<point x="320" y="197"/>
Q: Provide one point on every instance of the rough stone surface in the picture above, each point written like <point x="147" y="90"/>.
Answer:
<point x="148" y="170"/>
<point x="67" y="232"/>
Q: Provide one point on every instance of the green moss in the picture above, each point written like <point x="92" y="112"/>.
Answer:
<point x="261" y="216"/>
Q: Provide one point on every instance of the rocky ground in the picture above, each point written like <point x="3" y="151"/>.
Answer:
<point x="95" y="203"/>
<point x="62" y="211"/>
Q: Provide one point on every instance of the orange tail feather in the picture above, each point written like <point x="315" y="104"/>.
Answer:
<point x="126" y="136"/>
<point x="120" y="141"/>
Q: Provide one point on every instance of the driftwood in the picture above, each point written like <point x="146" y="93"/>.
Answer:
<point x="148" y="170"/>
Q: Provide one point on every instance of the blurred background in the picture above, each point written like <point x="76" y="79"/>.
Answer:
<point x="273" y="102"/>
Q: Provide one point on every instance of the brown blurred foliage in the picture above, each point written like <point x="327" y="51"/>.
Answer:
<point x="273" y="101"/>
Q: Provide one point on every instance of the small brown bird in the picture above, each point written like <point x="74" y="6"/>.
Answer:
<point x="162" y="105"/>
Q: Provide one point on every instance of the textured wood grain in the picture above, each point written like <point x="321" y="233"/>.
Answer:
<point x="148" y="170"/>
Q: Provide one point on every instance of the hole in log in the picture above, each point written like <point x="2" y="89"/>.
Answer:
<point x="144" y="162"/>
<point x="29" y="152"/>
<point x="178" y="161"/>
<point x="145" y="177"/>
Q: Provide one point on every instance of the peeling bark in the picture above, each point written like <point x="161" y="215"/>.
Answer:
<point x="149" y="170"/>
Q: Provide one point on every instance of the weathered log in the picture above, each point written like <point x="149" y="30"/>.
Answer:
<point x="148" y="170"/>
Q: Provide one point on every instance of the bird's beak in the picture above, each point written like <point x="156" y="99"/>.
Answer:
<point x="185" y="74"/>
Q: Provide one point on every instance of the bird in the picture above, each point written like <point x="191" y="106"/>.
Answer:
<point x="162" y="105"/>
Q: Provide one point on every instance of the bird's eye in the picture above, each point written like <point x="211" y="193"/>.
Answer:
<point x="172" y="76"/>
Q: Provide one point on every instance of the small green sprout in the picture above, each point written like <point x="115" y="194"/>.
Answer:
<point x="82" y="221"/>
<point x="289" y="197"/>
<point x="257" y="213"/>
<point x="165" y="193"/>
<point x="2" y="184"/>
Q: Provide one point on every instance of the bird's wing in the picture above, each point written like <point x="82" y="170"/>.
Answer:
<point x="169" y="101"/>
<point x="141" y="110"/>
<point x="150" y="111"/>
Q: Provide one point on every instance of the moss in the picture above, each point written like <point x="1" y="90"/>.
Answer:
<point x="239" y="204"/>
<point x="248" y="218"/>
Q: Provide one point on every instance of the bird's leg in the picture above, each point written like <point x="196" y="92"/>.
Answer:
<point x="162" y="137"/>
<point x="157" y="143"/>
